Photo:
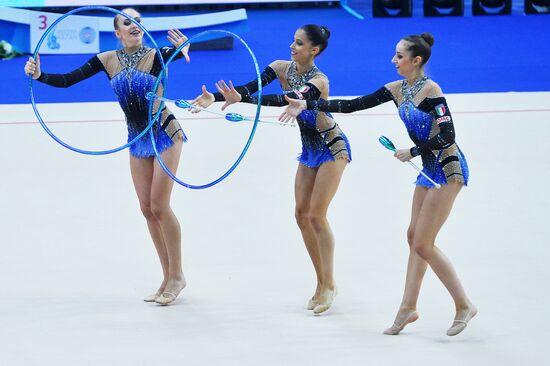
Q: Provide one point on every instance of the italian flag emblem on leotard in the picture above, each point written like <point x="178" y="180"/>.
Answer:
<point x="304" y="89"/>
<point x="440" y="110"/>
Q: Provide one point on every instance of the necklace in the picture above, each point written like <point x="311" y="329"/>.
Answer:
<point x="129" y="62"/>
<point x="410" y="91"/>
<point x="294" y="80"/>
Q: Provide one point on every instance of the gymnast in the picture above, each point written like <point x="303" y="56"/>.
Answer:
<point x="132" y="72"/>
<point x="325" y="148"/>
<point x="424" y="111"/>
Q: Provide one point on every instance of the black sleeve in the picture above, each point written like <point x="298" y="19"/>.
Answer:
<point x="166" y="53"/>
<point x="380" y="96"/>
<point x="446" y="136"/>
<point x="268" y="75"/>
<point x="89" y="69"/>
<point x="308" y="92"/>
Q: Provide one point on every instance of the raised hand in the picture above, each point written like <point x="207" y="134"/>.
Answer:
<point x="293" y="109"/>
<point x="32" y="67"/>
<point x="230" y="94"/>
<point x="204" y="100"/>
<point x="177" y="39"/>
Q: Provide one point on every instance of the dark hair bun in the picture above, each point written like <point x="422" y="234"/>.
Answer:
<point x="325" y="31"/>
<point x="428" y="37"/>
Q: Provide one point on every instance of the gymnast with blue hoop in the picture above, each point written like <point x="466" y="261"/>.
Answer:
<point x="325" y="149"/>
<point x="424" y="111"/>
<point x="132" y="72"/>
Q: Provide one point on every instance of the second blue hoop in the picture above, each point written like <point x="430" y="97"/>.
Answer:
<point x="253" y="130"/>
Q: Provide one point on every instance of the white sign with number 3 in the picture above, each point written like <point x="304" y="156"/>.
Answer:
<point x="74" y="34"/>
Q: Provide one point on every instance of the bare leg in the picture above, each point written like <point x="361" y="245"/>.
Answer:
<point x="142" y="176"/>
<point x="416" y="268"/>
<point x="303" y="187"/>
<point x="435" y="209"/>
<point x="326" y="185"/>
<point x="161" y="191"/>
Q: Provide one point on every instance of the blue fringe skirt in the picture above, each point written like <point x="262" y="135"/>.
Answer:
<point x="444" y="167"/>
<point x="319" y="147"/>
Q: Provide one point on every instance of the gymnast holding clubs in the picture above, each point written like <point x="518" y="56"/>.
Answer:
<point x="132" y="72"/>
<point x="424" y="111"/>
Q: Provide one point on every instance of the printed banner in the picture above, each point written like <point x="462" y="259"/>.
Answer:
<point x="74" y="34"/>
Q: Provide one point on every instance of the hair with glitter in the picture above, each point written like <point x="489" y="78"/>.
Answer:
<point x="420" y="46"/>
<point x="318" y="35"/>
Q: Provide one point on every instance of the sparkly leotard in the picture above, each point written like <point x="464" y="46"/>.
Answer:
<point x="322" y="138"/>
<point x="426" y="116"/>
<point x="131" y="78"/>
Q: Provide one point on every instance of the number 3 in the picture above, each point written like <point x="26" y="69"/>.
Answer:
<point x="43" y="23"/>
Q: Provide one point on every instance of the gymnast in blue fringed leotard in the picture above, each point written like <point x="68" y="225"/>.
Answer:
<point x="132" y="72"/>
<point x="325" y="148"/>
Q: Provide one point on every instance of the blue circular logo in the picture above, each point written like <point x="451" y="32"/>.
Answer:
<point x="87" y="35"/>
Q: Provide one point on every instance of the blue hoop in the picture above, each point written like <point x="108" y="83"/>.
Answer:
<point x="151" y="121"/>
<point x="256" y="119"/>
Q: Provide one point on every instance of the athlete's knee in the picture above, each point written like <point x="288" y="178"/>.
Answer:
<point x="318" y="221"/>
<point x="422" y="248"/>
<point x="159" y="211"/>
<point x="410" y="236"/>
<point x="302" y="217"/>
<point x="146" y="210"/>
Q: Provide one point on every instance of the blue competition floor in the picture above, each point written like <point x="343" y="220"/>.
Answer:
<point x="471" y="54"/>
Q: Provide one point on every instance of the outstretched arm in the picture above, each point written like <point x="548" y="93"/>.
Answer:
<point x="295" y="107"/>
<point x="380" y="96"/>
<point x="90" y="68"/>
<point x="267" y="76"/>
<point x="232" y="95"/>
<point x="206" y="98"/>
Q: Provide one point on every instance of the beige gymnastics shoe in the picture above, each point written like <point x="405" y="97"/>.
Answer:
<point x="171" y="292"/>
<point x="461" y="323"/>
<point x="311" y="304"/>
<point x="395" y="329"/>
<point x="152" y="298"/>
<point x="325" y="301"/>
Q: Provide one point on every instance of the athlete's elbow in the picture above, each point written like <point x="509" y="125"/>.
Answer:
<point x="448" y="138"/>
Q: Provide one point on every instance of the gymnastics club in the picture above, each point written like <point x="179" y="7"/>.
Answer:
<point x="231" y="117"/>
<point x="386" y="142"/>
